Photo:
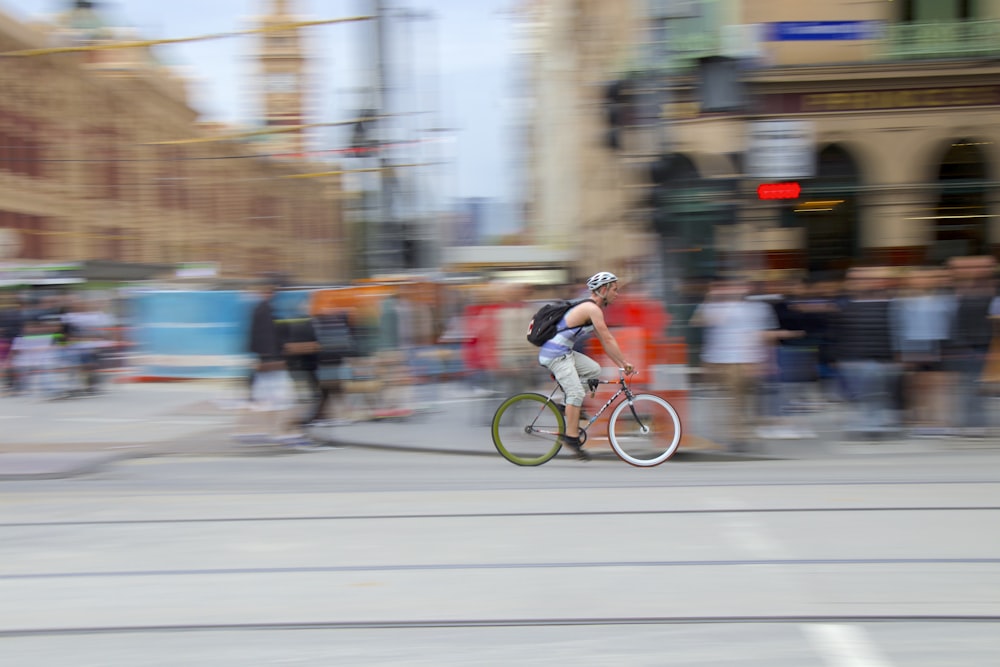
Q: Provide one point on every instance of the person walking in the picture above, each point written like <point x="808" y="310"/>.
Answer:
<point x="864" y="352"/>
<point x="921" y="318"/>
<point x="272" y="391"/>
<point x="976" y="309"/>
<point x="572" y="368"/>
<point x="739" y="333"/>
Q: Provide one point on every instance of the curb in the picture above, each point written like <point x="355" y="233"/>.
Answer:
<point x="53" y="465"/>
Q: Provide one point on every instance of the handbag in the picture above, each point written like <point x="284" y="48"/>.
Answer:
<point x="272" y="390"/>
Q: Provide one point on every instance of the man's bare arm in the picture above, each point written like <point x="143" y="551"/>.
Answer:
<point x="608" y="342"/>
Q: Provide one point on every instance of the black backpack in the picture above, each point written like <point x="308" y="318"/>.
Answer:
<point x="335" y="338"/>
<point x="544" y="325"/>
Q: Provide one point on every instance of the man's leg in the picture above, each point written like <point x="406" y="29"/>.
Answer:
<point x="573" y="420"/>
<point x="318" y="396"/>
<point x="565" y="371"/>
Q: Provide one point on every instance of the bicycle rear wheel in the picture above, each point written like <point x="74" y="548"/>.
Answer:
<point x="526" y="429"/>
<point x="644" y="431"/>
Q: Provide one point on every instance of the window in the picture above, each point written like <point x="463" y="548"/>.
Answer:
<point x="924" y="11"/>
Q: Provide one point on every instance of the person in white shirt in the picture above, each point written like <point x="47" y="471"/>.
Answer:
<point x="35" y="358"/>
<point x="738" y="335"/>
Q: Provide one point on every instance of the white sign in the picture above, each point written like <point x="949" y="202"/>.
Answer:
<point x="197" y="270"/>
<point x="780" y="150"/>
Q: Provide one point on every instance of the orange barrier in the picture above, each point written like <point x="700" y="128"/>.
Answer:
<point x="662" y="367"/>
<point x="360" y="298"/>
<point x="632" y="341"/>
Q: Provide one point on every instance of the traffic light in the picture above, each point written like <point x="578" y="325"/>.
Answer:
<point x="788" y="190"/>
<point x="411" y="253"/>
<point x="615" y="100"/>
<point x="659" y="194"/>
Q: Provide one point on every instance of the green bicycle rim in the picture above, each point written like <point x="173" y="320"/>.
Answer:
<point x="552" y="413"/>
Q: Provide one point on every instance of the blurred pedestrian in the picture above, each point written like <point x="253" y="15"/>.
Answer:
<point x="337" y="345"/>
<point x="735" y="351"/>
<point x="922" y="316"/>
<point x="35" y="358"/>
<point x="272" y="391"/>
<point x="792" y="367"/>
<point x="11" y="323"/>
<point x="301" y="351"/>
<point x="864" y="352"/>
<point x="976" y="306"/>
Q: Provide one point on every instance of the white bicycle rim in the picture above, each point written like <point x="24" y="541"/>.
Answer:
<point x="654" y="441"/>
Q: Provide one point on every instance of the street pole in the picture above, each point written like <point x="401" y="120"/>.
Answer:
<point x="385" y="258"/>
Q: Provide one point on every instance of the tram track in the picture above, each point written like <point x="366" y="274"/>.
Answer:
<point x="537" y="565"/>
<point x="499" y="515"/>
<point x="285" y="626"/>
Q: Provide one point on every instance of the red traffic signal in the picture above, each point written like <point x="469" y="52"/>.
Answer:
<point x="790" y="190"/>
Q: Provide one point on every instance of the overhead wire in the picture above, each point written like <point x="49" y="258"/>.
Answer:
<point x="255" y="133"/>
<point x="108" y="46"/>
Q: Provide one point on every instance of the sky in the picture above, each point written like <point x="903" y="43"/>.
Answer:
<point x="458" y="55"/>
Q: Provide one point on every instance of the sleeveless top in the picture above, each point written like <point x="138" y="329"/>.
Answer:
<point x="562" y="343"/>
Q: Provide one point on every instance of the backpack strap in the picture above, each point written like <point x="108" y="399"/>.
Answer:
<point x="575" y="304"/>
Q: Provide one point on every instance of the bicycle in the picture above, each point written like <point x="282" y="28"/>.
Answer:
<point x="643" y="429"/>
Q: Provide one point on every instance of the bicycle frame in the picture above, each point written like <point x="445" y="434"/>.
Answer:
<point x="623" y="388"/>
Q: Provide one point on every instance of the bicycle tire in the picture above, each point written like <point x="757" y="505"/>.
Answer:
<point x="650" y="440"/>
<point x="526" y="429"/>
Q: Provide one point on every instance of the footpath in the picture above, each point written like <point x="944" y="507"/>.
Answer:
<point x="65" y="438"/>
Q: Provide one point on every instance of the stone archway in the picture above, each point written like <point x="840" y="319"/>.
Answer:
<point x="828" y="211"/>
<point x="693" y="194"/>
<point x="959" y="219"/>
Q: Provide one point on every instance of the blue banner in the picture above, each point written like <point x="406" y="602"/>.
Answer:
<point x="810" y="31"/>
<point x="191" y="334"/>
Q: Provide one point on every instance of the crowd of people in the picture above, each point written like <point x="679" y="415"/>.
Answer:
<point x="909" y="350"/>
<point x="906" y="350"/>
<point x="54" y="346"/>
<point x="327" y="363"/>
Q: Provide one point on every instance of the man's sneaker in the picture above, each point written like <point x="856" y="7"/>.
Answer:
<point x="575" y="445"/>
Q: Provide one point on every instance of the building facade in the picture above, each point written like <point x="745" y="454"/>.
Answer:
<point x="883" y="113"/>
<point x="894" y="110"/>
<point x="578" y="194"/>
<point x="104" y="159"/>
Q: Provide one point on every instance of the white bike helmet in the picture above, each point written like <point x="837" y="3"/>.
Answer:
<point x="598" y="280"/>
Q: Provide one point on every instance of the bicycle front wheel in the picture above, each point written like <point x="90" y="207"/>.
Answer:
<point x="644" y="431"/>
<point x="526" y="429"/>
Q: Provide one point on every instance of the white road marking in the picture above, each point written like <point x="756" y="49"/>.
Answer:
<point x="844" y="645"/>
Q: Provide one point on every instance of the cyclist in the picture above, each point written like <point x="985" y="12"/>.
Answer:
<point x="571" y="368"/>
